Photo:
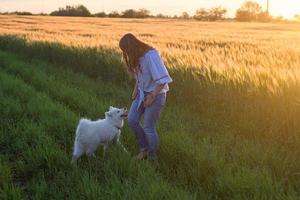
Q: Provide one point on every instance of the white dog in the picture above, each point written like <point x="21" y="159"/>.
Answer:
<point x="90" y="134"/>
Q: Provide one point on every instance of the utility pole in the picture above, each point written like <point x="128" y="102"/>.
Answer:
<point x="268" y="6"/>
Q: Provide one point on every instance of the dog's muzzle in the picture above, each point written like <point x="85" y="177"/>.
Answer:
<point x="125" y="114"/>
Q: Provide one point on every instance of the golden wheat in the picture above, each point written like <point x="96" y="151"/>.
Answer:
<point x="239" y="51"/>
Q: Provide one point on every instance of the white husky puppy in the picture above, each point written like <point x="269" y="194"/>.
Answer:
<point x="90" y="134"/>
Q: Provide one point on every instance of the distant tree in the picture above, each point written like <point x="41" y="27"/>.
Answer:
<point x="20" y="13"/>
<point x="100" y="14"/>
<point x="143" y="13"/>
<point x="217" y="13"/>
<point x="82" y="10"/>
<point x="243" y="16"/>
<point x="114" y="14"/>
<point x="249" y="11"/>
<point x="212" y="14"/>
<point x="78" y="10"/>
<point x="160" y="15"/>
<point x="202" y="14"/>
<point x="297" y="17"/>
<point x="185" y="15"/>
<point x="252" y="7"/>
<point x="131" y="13"/>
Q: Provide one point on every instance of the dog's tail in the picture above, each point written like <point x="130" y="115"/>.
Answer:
<point x="77" y="149"/>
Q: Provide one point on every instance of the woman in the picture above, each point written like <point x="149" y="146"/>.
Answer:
<point x="149" y="94"/>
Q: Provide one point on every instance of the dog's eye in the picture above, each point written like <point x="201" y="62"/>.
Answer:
<point x="118" y="111"/>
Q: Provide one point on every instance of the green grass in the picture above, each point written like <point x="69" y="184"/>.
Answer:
<point x="219" y="140"/>
<point x="38" y="149"/>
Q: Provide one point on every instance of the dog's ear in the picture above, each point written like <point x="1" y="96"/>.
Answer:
<point x="110" y="108"/>
<point x="108" y="114"/>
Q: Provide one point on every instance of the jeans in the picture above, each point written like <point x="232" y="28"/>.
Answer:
<point x="146" y="135"/>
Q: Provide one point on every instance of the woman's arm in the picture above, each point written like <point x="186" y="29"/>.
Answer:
<point x="157" y="90"/>
<point x="134" y="93"/>
<point x="151" y="97"/>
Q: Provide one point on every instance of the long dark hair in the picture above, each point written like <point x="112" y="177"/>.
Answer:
<point x="133" y="49"/>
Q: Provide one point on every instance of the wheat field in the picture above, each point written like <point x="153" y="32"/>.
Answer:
<point x="230" y="129"/>
<point x="243" y="48"/>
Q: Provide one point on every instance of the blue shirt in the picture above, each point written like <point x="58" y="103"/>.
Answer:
<point x="152" y="72"/>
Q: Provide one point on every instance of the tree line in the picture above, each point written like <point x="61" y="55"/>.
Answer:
<point x="249" y="11"/>
<point x="212" y="14"/>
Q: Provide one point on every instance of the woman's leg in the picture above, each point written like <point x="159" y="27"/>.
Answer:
<point x="151" y="116"/>
<point x="134" y="117"/>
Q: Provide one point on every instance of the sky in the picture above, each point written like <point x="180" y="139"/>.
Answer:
<point x="285" y="8"/>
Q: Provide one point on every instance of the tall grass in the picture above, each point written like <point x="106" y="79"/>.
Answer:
<point x="38" y="149"/>
<point x="247" y="101"/>
<point x="208" y="167"/>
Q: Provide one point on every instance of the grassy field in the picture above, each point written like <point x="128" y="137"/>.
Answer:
<point x="230" y="129"/>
